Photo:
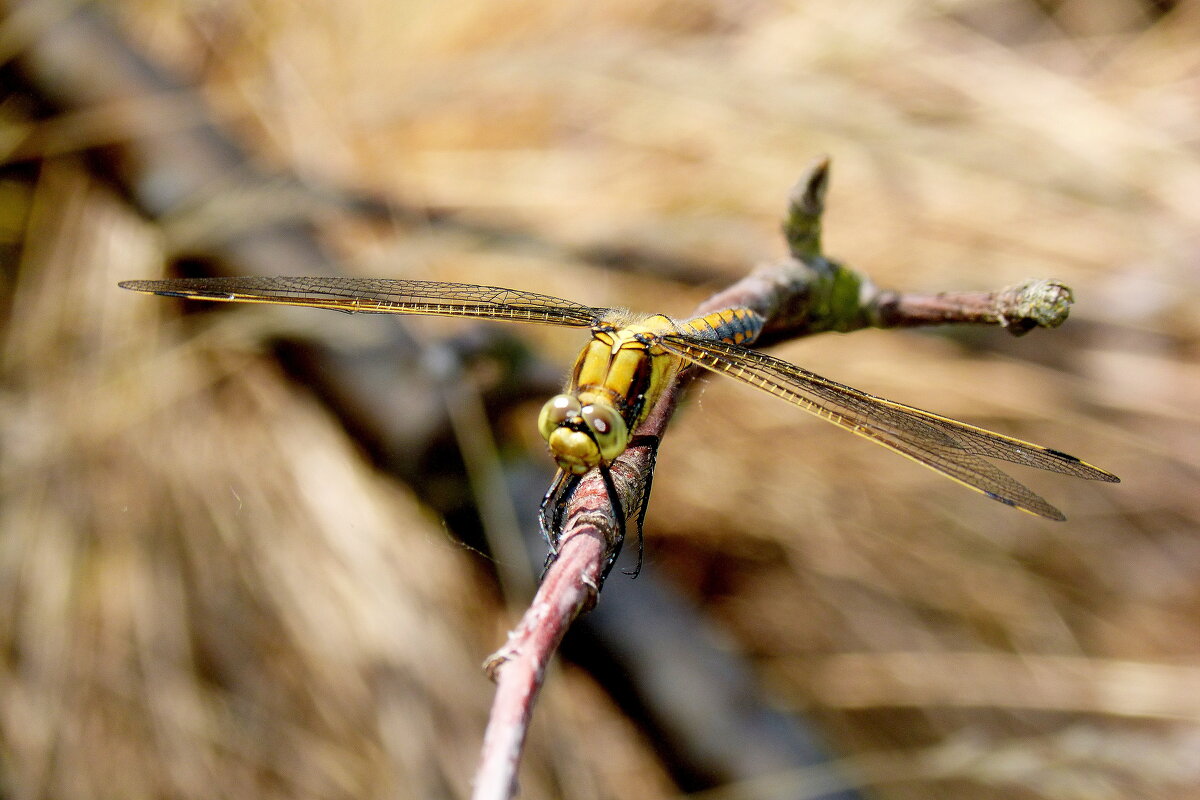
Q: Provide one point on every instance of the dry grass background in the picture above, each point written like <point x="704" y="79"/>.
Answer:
<point x="207" y="592"/>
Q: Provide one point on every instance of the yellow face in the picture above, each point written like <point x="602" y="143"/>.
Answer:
<point x="582" y="436"/>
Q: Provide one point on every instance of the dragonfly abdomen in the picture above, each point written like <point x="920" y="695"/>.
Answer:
<point x="732" y="325"/>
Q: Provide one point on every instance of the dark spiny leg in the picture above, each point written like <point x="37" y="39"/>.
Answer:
<point x="644" y="499"/>
<point x="545" y="521"/>
<point x="570" y="482"/>
<point x="618" y="515"/>
<point x="550" y="512"/>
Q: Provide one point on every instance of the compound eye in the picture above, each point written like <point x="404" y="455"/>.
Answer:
<point x="558" y="409"/>
<point x="608" y="426"/>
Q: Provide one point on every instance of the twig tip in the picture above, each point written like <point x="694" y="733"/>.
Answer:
<point x="1034" y="303"/>
<point x="806" y="204"/>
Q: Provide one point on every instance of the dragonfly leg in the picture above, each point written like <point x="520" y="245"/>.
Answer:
<point x="618" y="515"/>
<point x="551" y="511"/>
<point x="548" y="510"/>
<point x="644" y="497"/>
<point x="554" y="505"/>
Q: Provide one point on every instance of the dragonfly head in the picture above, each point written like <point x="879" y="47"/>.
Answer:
<point x="582" y="435"/>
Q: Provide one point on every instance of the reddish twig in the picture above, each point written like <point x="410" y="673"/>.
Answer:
<point x="799" y="296"/>
<point x="569" y="587"/>
<point x="1019" y="309"/>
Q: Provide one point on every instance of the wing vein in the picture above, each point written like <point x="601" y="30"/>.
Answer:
<point x="381" y="296"/>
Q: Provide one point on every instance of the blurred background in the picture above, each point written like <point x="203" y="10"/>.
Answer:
<point x="251" y="552"/>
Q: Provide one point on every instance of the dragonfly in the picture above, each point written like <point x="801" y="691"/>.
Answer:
<point x="629" y="363"/>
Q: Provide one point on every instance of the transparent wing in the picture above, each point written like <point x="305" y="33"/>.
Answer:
<point x="380" y="296"/>
<point x="953" y="448"/>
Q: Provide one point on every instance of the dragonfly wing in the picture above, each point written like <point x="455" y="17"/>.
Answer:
<point x="380" y="296"/>
<point x="952" y="448"/>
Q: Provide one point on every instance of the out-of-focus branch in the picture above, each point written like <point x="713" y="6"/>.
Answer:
<point x="800" y="296"/>
<point x="174" y="159"/>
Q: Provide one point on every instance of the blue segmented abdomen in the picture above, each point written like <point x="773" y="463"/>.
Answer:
<point x="733" y="325"/>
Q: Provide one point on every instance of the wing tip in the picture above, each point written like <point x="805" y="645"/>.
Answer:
<point x="151" y="287"/>
<point x="164" y="289"/>
<point x="1043" y="510"/>
<point x="1093" y="473"/>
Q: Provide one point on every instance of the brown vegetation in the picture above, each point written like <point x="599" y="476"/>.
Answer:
<point x="210" y="591"/>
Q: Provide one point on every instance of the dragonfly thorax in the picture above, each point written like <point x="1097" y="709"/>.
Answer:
<point x="582" y="435"/>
